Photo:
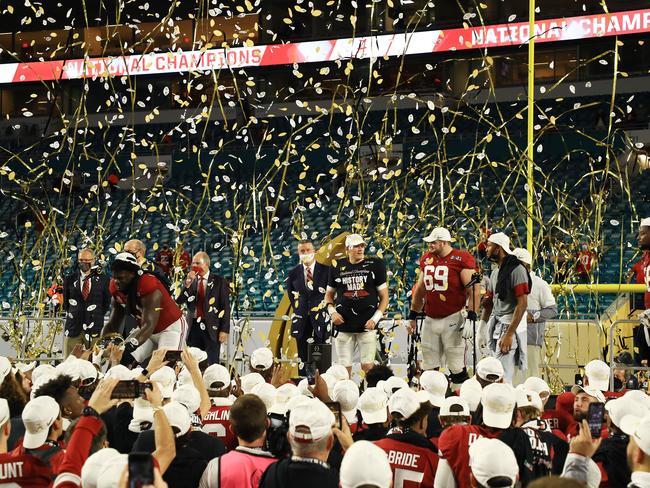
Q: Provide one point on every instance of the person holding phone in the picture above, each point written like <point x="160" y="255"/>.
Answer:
<point x="584" y="396"/>
<point x="356" y="298"/>
<point x="141" y="295"/>
<point x="207" y="297"/>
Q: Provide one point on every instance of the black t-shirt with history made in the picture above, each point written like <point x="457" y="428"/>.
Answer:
<point x="357" y="286"/>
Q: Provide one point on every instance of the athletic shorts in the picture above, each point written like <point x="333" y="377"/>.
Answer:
<point x="346" y="342"/>
<point x="173" y="337"/>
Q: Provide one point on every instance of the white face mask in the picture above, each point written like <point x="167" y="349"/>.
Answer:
<point x="307" y="258"/>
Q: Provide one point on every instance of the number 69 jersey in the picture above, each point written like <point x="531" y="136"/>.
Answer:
<point x="445" y="293"/>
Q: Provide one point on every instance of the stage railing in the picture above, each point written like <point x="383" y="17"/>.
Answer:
<point x="26" y="323"/>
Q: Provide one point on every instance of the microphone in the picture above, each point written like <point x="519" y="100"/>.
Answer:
<point x="476" y="279"/>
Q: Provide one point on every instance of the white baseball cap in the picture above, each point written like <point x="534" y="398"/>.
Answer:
<point x="619" y="408"/>
<point x="339" y="372"/>
<point x="165" y="377"/>
<point x="179" y="417"/>
<point x="597" y="372"/>
<point x="639" y="429"/>
<point x="38" y="416"/>
<point x="184" y="377"/>
<point x="354" y="240"/>
<point x="26" y="367"/>
<point x="69" y="367"/>
<point x="199" y="354"/>
<point x="471" y="391"/>
<point x="392" y="384"/>
<point x="537" y="385"/>
<point x="5" y="368"/>
<point x="266" y="392"/>
<point x="43" y="370"/>
<point x="87" y="370"/>
<point x="485" y="465"/>
<point x="330" y="381"/>
<point x="435" y="384"/>
<point x="248" y="381"/>
<point x="528" y="398"/>
<point x="439" y="234"/>
<point x="111" y="471"/>
<point x="4" y="411"/>
<point x="454" y="406"/>
<point x="346" y="392"/>
<point x="310" y="421"/>
<point x="296" y="400"/>
<point x="188" y="396"/>
<point x="121" y="373"/>
<point x="127" y="257"/>
<point x="645" y="222"/>
<point x="523" y="255"/>
<point x="498" y="400"/>
<point x="303" y="388"/>
<point x="142" y="416"/>
<point x="500" y="239"/>
<point x="262" y="358"/>
<point x="216" y="377"/>
<point x="589" y="390"/>
<point x="96" y="463"/>
<point x="283" y="394"/>
<point x="490" y="369"/>
<point x="372" y="405"/>
<point x="365" y="464"/>
<point x="404" y="401"/>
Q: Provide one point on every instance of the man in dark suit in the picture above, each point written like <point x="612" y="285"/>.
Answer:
<point x="209" y="319"/>
<point x="86" y="300"/>
<point x="306" y="287"/>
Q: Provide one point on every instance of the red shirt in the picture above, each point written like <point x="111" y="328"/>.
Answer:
<point x="413" y="465"/>
<point x="584" y="261"/>
<point x="34" y="469"/>
<point x="454" y="445"/>
<point x="646" y="278"/>
<point x="217" y="423"/>
<point x="445" y="293"/>
<point x="558" y="420"/>
<point x="164" y="260"/>
<point x="147" y="284"/>
<point x="77" y="451"/>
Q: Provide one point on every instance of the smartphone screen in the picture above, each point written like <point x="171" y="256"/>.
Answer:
<point x="173" y="356"/>
<point x="335" y="408"/>
<point x="129" y="389"/>
<point x="310" y="372"/>
<point x="140" y="469"/>
<point x="595" y="418"/>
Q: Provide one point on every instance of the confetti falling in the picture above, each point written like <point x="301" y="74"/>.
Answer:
<point x="242" y="162"/>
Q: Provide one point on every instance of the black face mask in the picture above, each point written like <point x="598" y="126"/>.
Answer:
<point x="85" y="267"/>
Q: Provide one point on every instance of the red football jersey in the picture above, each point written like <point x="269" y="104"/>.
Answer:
<point x="217" y="423"/>
<point x="646" y="278"/>
<point x="445" y="293"/>
<point x="585" y="260"/>
<point x="147" y="284"/>
<point x="29" y="470"/>
<point x="454" y="445"/>
<point x="413" y="466"/>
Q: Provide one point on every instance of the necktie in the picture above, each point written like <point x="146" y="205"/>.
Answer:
<point x="85" y="290"/>
<point x="200" y="299"/>
<point x="310" y="276"/>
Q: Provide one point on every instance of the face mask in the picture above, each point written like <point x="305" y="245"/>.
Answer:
<point x="306" y="258"/>
<point x="197" y="270"/>
<point x="85" y="267"/>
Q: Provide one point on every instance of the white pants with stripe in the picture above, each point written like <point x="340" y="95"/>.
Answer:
<point x="173" y="337"/>
<point x="443" y="336"/>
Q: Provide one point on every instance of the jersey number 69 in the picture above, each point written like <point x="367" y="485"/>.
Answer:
<point x="436" y="278"/>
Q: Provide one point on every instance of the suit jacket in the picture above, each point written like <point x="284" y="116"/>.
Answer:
<point x="304" y="299"/>
<point x="78" y="314"/>
<point x="216" y="316"/>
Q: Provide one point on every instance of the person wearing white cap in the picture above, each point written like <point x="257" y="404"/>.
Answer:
<point x="306" y="285"/>
<point x="61" y="388"/>
<point x="471" y="392"/>
<point x="356" y="299"/>
<point x="597" y="374"/>
<point x="217" y="421"/>
<point x="638" y="449"/>
<point x="243" y="466"/>
<point x="444" y="286"/>
<point x="346" y="392"/>
<point x="25" y="370"/>
<point x="435" y="384"/>
<point x="262" y="361"/>
<point x="140" y="294"/>
<point x="541" y="306"/>
<point x="365" y="465"/>
<point x="207" y="297"/>
<point x="539" y="453"/>
<point x="584" y="395"/>
<point x="311" y="437"/>
<point x="492" y="463"/>
<point x="454" y="411"/>
<point x="505" y="305"/>
<point x="373" y="407"/>
<point x="489" y="370"/>
<point x="407" y="446"/>
<point x="498" y="401"/>
<point x="642" y="336"/>
<point x="10" y="389"/>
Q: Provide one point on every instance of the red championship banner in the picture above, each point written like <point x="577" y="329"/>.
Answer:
<point x="512" y="34"/>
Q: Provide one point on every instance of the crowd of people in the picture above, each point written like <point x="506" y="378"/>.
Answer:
<point x="92" y="422"/>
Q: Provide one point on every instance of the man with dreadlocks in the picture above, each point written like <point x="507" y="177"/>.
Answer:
<point x="136" y="292"/>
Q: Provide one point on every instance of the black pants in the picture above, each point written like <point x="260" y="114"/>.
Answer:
<point x="200" y="338"/>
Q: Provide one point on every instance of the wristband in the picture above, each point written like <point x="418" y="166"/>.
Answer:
<point x="413" y="315"/>
<point x="331" y="308"/>
<point x="145" y="373"/>
<point x="376" y="317"/>
<point x="157" y="409"/>
<point x="471" y="315"/>
<point x="89" y="412"/>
